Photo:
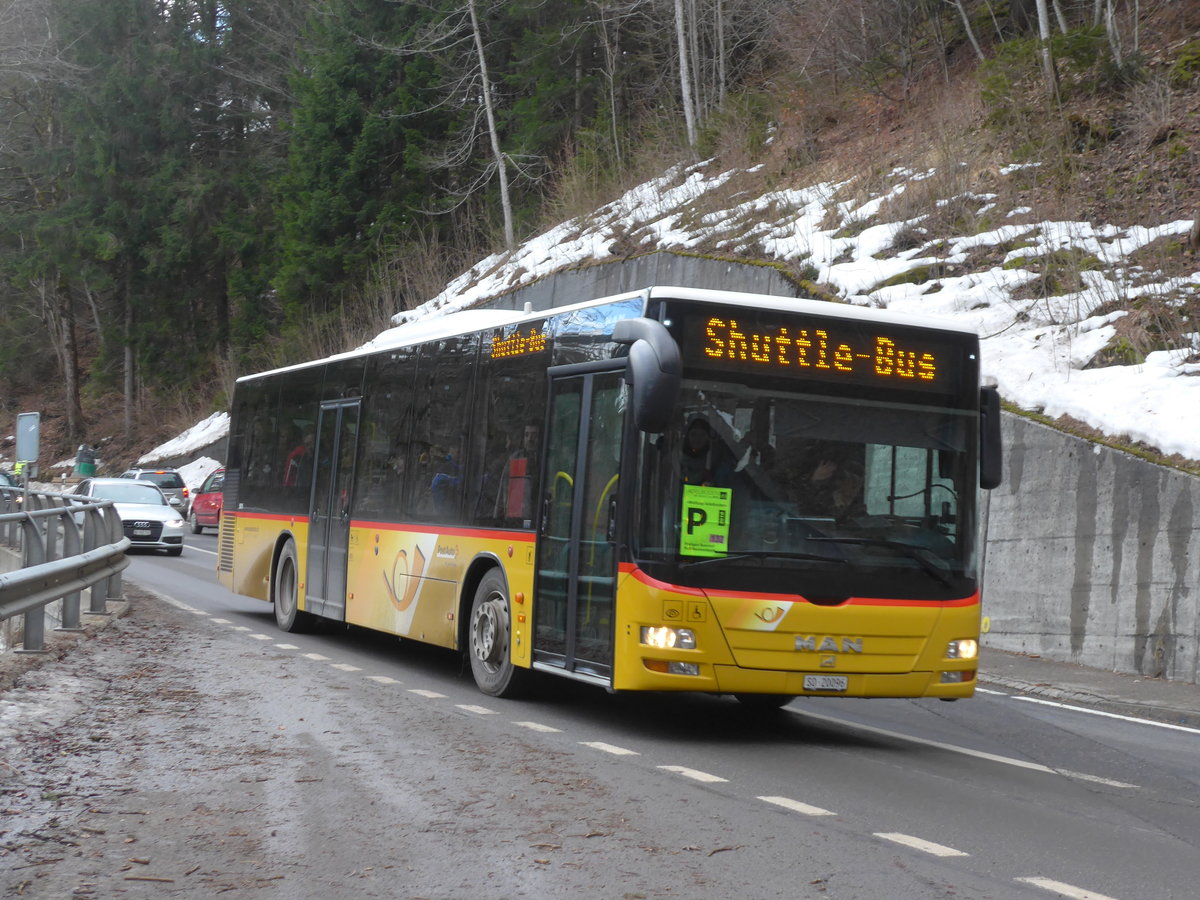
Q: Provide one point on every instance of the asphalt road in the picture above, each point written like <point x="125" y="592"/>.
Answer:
<point x="239" y="759"/>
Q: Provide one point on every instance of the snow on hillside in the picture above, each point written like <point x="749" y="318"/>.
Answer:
<point x="1036" y="349"/>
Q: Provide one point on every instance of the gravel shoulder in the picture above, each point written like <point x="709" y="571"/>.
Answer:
<point x="160" y="756"/>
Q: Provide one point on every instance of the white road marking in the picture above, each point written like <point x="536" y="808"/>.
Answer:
<point x="241" y="628"/>
<point x="1108" y="715"/>
<point x="796" y="806"/>
<point x="965" y="751"/>
<point x="609" y="748"/>
<point x="223" y="621"/>
<point x="694" y="774"/>
<point x="980" y="690"/>
<point x="478" y="710"/>
<point x="261" y="637"/>
<point x="538" y="726"/>
<point x="917" y="843"/>
<point x="430" y="695"/>
<point x="316" y="657"/>
<point x="287" y="646"/>
<point x="383" y="679"/>
<point x="1066" y="890"/>
<point x="345" y="667"/>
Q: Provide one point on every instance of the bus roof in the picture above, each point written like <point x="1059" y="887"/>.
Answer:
<point x="465" y="321"/>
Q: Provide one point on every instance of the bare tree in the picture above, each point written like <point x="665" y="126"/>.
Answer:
<point x="457" y="31"/>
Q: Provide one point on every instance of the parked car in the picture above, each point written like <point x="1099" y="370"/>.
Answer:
<point x="207" y="502"/>
<point x="148" y="519"/>
<point x="169" y="481"/>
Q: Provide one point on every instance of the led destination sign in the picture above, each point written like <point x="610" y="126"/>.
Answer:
<point x="519" y="344"/>
<point x="831" y="350"/>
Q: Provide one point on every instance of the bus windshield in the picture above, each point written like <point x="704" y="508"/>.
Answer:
<point x="823" y="496"/>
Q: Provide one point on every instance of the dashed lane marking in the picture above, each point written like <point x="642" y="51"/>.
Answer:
<point x="287" y="646"/>
<point x="261" y="637"/>
<point x="1066" y="890"/>
<point x="345" y="667"/>
<point x="538" y="726"/>
<point x="429" y="695"/>
<point x="478" y="710"/>
<point x="383" y="679"/>
<point x="694" y="774"/>
<point x="916" y="843"/>
<point x="796" y="806"/>
<point x="609" y="748"/>
<point x="316" y="657"/>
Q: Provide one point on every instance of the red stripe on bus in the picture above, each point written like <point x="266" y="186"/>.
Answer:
<point x="484" y="533"/>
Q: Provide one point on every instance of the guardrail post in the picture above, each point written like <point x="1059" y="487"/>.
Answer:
<point x="34" y="640"/>
<point x="115" y="588"/>
<point x="71" y="618"/>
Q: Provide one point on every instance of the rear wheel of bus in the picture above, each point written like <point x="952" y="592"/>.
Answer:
<point x="285" y="591"/>
<point x="489" y="640"/>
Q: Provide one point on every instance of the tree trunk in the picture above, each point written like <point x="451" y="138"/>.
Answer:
<point x="1048" y="67"/>
<point x="966" y="20"/>
<point x="70" y="361"/>
<point x="129" y="360"/>
<point x="685" y="78"/>
<point x="497" y="154"/>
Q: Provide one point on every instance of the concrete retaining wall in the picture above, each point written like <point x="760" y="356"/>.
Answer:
<point x="1093" y="557"/>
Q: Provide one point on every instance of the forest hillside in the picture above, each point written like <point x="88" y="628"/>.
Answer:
<point x="194" y="190"/>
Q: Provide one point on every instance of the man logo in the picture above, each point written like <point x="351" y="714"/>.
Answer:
<point x="828" y="644"/>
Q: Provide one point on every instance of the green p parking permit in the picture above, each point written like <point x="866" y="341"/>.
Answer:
<point x="705" y="520"/>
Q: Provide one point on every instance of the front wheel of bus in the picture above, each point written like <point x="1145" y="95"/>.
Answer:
<point x="490" y="637"/>
<point x="286" y="592"/>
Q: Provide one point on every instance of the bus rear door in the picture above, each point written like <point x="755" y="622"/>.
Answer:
<point x="329" y="510"/>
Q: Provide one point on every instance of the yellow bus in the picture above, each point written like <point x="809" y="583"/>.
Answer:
<point x="670" y="490"/>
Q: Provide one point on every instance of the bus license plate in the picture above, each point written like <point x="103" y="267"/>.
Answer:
<point x="825" y="682"/>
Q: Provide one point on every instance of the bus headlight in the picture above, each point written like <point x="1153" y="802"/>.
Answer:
<point x="967" y="648"/>
<point x="669" y="638"/>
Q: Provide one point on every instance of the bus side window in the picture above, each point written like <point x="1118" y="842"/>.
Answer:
<point x="442" y="417"/>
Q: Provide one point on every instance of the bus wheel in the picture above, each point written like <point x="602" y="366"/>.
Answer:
<point x="286" y="592"/>
<point x="489" y="639"/>
<point x="764" y="701"/>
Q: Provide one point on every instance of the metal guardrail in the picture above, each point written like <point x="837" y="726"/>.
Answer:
<point x="67" y="544"/>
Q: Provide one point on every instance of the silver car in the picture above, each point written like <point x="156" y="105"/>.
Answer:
<point x="147" y="518"/>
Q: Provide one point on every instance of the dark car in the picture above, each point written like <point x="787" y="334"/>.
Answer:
<point x="169" y="481"/>
<point x="207" y="502"/>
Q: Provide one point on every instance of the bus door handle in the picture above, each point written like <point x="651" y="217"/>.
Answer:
<point x="610" y="532"/>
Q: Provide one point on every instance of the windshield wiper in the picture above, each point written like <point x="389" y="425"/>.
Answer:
<point x="924" y="558"/>
<point x="735" y="555"/>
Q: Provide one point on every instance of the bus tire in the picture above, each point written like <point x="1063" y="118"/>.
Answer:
<point x="285" y="592"/>
<point x="489" y="639"/>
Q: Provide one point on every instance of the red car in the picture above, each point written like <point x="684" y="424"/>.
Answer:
<point x="206" y="504"/>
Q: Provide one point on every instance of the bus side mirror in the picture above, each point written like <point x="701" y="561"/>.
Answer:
<point x="654" y="369"/>
<point x="991" y="451"/>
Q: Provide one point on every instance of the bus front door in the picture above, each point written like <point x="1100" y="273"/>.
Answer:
<point x="329" y="509"/>
<point x="576" y="554"/>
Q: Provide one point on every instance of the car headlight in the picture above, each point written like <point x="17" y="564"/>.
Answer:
<point x="173" y="523"/>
